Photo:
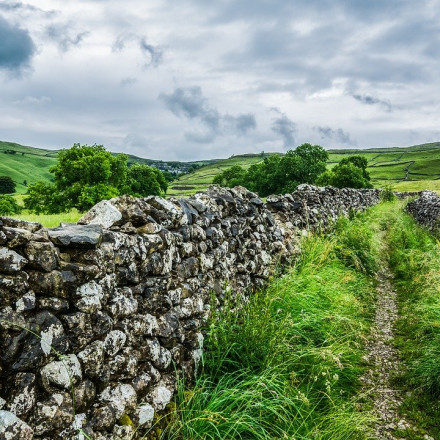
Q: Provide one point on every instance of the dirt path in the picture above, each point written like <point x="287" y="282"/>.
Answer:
<point x="385" y="363"/>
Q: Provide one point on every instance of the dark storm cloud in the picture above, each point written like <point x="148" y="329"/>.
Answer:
<point x="337" y="135"/>
<point x="65" y="36"/>
<point x="284" y="127"/>
<point x="16" y="47"/>
<point x="371" y="100"/>
<point x="189" y="103"/>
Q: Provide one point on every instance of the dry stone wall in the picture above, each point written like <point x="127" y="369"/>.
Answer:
<point x="97" y="317"/>
<point x="426" y="210"/>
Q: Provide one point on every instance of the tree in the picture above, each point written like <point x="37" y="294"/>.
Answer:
<point x="8" y="205"/>
<point x="85" y="175"/>
<point x="143" y="180"/>
<point x="358" y="161"/>
<point x="7" y="185"/>
<point x="278" y="174"/>
<point x="230" y="177"/>
<point x="345" y="175"/>
<point x="43" y="198"/>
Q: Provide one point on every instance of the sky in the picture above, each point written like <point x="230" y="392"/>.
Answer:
<point x="198" y="79"/>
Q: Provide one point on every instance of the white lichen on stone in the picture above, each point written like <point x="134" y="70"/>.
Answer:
<point x="145" y="414"/>
<point x="62" y="373"/>
<point x="91" y="295"/>
<point x="161" y="396"/>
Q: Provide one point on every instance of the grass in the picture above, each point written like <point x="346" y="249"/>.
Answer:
<point x="51" y="220"/>
<point x="415" y="258"/>
<point x="287" y="364"/>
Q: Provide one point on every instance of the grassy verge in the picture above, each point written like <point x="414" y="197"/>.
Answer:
<point x="50" y="220"/>
<point x="287" y="365"/>
<point x="415" y="259"/>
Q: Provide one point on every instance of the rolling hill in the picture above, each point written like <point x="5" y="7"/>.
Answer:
<point x="406" y="168"/>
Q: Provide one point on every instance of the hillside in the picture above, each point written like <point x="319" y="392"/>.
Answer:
<point x="24" y="163"/>
<point x="406" y="168"/>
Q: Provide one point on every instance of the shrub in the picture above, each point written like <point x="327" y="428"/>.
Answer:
<point x="8" y="205"/>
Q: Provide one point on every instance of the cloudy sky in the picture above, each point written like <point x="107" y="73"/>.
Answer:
<point x="194" y="79"/>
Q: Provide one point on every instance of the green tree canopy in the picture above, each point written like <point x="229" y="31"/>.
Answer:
<point x="349" y="173"/>
<point x="358" y="161"/>
<point x="7" y="185"/>
<point x="8" y="205"/>
<point x="143" y="180"/>
<point x="85" y="175"/>
<point x="278" y="174"/>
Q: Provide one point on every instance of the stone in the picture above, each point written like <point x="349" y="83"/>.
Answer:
<point x="90" y="295"/>
<point x="114" y="342"/>
<point x="79" y="236"/>
<point x="63" y="373"/>
<point x="104" y="214"/>
<point x="122" y="397"/>
<point x="35" y="350"/>
<point x="20" y="224"/>
<point x="125" y="298"/>
<point x="144" y="415"/>
<point x="161" y="396"/>
<point x="22" y="395"/>
<point x="10" y="261"/>
<point x="17" y="237"/>
<point x="12" y="428"/>
<point x="92" y="358"/>
<point x="42" y="256"/>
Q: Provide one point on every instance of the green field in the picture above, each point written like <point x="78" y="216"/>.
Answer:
<point x="405" y="168"/>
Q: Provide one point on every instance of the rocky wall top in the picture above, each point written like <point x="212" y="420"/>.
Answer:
<point x="426" y="209"/>
<point x="97" y="317"/>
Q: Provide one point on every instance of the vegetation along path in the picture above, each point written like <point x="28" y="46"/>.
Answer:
<point x="344" y="346"/>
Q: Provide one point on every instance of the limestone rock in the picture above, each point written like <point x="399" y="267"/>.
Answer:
<point x="12" y="428"/>
<point x="104" y="214"/>
<point x="80" y="236"/>
<point x="10" y="261"/>
<point x="62" y="373"/>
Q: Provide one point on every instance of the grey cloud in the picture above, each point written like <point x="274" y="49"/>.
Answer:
<point x="20" y="6"/>
<point x="371" y="100"/>
<point x="65" y="35"/>
<point x="153" y="55"/>
<point x="240" y="124"/>
<point x="16" y="48"/>
<point x="284" y="127"/>
<point x="190" y="103"/>
<point x="337" y="135"/>
<point x="200" y="137"/>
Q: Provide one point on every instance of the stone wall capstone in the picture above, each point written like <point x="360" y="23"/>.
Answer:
<point x="97" y="317"/>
